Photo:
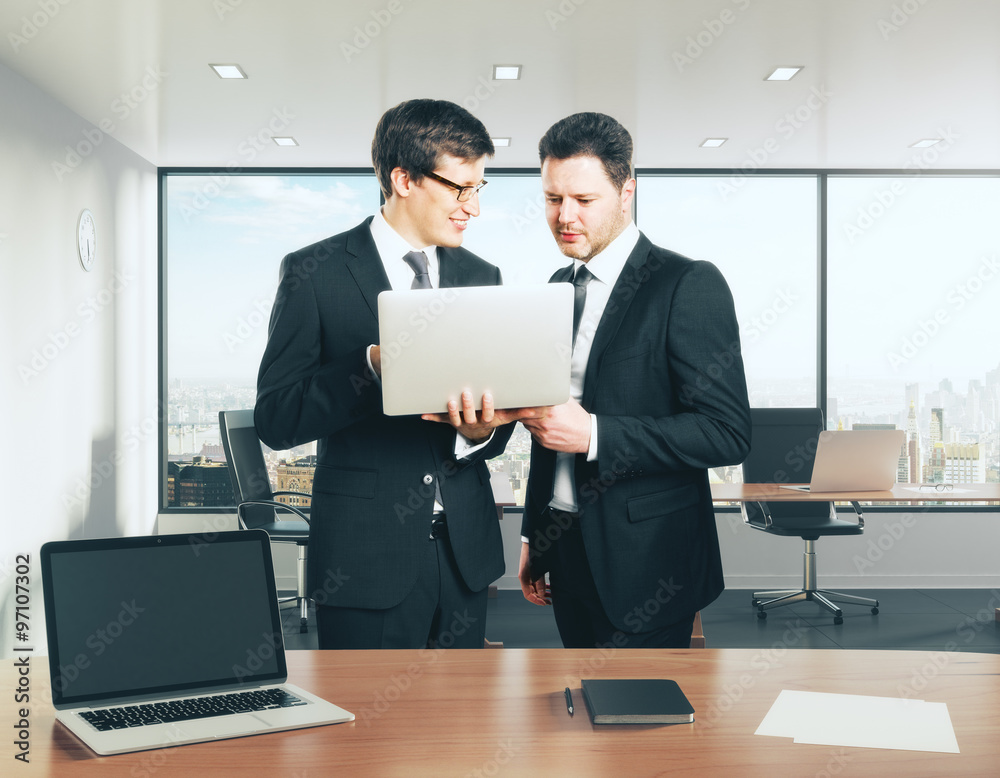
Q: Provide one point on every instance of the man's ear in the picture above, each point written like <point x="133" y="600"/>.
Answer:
<point x="628" y="192"/>
<point x="401" y="182"/>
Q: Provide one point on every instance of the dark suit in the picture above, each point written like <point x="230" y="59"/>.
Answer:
<point x="665" y="380"/>
<point x="373" y="492"/>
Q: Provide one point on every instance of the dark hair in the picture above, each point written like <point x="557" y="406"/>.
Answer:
<point x="414" y="134"/>
<point x="593" y="135"/>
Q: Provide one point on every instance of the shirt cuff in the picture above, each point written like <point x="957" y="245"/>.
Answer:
<point x="592" y="451"/>
<point x="465" y="447"/>
<point x="371" y="369"/>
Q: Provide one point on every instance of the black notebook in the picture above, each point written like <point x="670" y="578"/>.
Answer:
<point x="636" y="701"/>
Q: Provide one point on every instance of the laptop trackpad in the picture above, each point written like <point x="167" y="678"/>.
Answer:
<point x="230" y="726"/>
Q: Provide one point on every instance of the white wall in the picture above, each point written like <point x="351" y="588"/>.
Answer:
<point x="79" y="350"/>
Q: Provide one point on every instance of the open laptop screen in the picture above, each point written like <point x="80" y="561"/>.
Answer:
<point x="159" y="614"/>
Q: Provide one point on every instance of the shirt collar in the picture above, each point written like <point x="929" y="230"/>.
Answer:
<point x="607" y="266"/>
<point x="392" y="246"/>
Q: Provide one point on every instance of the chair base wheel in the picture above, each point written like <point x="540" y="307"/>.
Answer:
<point x="838" y="619"/>
<point x="874" y="611"/>
<point x="761" y="614"/>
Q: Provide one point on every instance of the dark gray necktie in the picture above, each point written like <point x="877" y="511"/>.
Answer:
<point x="418" y="261"/>
<point x="580" y="281"/>
<point x="422" y="280"/>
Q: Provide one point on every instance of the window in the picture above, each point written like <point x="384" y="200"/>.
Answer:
<point x="762" y="236"/>
<point x="914" y="290"/>
<point x="911" y="290"/>
<point x="222" y="247"/>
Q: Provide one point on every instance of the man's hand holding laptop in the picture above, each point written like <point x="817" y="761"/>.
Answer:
<point x="479" y="425"/>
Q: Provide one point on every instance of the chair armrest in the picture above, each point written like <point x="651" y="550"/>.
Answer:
<point x="765" y="512"/>
<point x="273" y="503"/>
<point x="861" y="516"/>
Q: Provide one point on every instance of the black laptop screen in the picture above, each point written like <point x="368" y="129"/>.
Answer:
<point x="144" y="616"/>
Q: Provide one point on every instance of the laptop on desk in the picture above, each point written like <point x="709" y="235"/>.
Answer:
<point x="855" y="461"/>
<point x="169" y="639"/>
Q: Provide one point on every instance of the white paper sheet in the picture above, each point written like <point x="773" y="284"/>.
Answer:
<point x="858" y="720"/>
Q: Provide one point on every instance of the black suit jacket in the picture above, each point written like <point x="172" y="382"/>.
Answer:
<point x="373" y="491"/>
<point x="665" y="379"/>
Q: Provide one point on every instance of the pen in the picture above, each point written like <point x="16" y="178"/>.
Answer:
<point x="569" y="701"/>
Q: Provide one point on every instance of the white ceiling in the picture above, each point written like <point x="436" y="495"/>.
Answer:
<point x="879" y="75"/>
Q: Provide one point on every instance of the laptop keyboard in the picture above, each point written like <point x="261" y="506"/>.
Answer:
<point x="188" y="709"/>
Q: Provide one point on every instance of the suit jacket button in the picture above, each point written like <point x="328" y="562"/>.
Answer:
<point x="428" y="479"/>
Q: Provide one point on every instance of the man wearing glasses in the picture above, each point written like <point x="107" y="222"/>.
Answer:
<point x="404" y="539"/>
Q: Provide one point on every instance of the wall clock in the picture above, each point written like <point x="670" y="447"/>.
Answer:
<point x="86" y="236"/>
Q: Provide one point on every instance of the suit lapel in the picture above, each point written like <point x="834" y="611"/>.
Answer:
<point x="365" y="265"/>
<point x="453" y="271"/>
<point x="614" y="313"/>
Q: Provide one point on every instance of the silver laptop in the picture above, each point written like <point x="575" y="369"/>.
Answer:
<point x="169" y="639"/>
<point x="855" y="461"/>
<point x="513" y="341"/>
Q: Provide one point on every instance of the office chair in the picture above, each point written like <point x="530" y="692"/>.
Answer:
<point x="783" y="451"/>
<point x="255" y="503"/>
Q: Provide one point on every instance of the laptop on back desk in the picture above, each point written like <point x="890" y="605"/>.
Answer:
<point x="855" y="461"/>
<point x="164" y="640"/>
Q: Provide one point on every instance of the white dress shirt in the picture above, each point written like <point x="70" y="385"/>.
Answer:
<point x="605" y="267"/>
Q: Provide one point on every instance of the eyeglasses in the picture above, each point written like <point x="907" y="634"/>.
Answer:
<point x="939" y="487"/>
<point x="464" y="192"/>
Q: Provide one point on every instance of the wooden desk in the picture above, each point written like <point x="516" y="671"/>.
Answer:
<point x="486" y="713"/>
<point x="899" y="492"/>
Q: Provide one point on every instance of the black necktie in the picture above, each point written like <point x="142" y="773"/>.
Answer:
<point x="418" y="261"/>
<point x="580" y="281"/>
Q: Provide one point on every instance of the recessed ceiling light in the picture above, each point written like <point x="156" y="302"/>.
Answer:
<point x="228" y="71"/>
<point x="713" y="143"/>
<point x="500" y="141"/>
<point x="925" y="143"/>
<point x="506" y="72"/>
<point x="285" y="141"/>
<point x="783" y="74"/>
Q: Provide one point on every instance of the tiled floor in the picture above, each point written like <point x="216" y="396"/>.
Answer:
<point x="928" y="619"/>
